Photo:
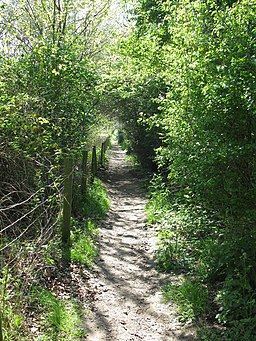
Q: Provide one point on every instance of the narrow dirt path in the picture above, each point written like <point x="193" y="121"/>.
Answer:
<point x="128" y="301"/>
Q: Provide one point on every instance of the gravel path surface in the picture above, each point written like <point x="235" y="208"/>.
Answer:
<point x="128" y="302"/>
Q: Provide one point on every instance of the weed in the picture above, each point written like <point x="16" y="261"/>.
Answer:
<point x="12" y="320"/>
<point x="206" y="333"/>
<point x="236" y="300"/>
<point x="96" y="201"/>
<point x="242" y="330"/>
<point x="191" y="298"/>
<point x="61" y="318"/>
<point x="12" y="324"/>
<point x="83" y="250"/>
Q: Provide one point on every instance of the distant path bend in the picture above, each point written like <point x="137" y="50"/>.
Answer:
<point x="128" y="303"/>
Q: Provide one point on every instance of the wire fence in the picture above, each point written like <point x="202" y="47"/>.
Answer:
<point x="32" y="210"/>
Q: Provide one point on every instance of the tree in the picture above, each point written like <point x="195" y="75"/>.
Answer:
<point x="200" y="58"/>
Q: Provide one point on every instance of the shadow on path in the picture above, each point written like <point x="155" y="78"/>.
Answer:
<point x="128" y="305"/>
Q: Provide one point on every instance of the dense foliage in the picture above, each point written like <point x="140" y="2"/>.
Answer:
<point x="186" y="86"/>
<point x="49" y="111"/>
<point x="181" y="83"/>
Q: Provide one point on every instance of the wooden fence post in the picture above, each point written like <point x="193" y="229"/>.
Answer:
<point x="94" y="162"/>
<point x="1" y="327"/>
<point x="84" y="172"/>
<point x="67" y="205"/>
<point x="105" y="145"/>
<point x="107" y="142"/>
<point x="102" y="154"/>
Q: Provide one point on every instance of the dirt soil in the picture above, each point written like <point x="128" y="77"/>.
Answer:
<point x="128" y="303"/>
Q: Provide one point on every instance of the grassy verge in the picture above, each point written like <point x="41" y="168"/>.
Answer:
<point x="191" y="242"/>
<point x="190" y="297"/>
<point x="43" y="306"/>
<point x="60" y="319"/>
<point x="83" y="249"/>
<point x="96" y="202"/>
<point x="94" y="207"/>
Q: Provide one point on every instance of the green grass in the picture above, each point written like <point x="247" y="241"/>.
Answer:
<point x="95" y="205"/>
<point x="96" y="201"/>
<point x="83" y="249"/>
<point x="12" y="324"/>
<point x="10" y="306"/>
<point x="61" y="318"/>
<point x="190" y="297"/>
<point x="83" y="235"/>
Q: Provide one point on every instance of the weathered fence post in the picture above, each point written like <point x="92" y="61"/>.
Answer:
<point x="84" y="172"/>
<point x="108" y="142"/>
<point x="106" y="145"/>
<point x="94" y="162"/>
<point x="67" y="204"/>
<point x="1" y="327"/>
<point x="102" y="154"/>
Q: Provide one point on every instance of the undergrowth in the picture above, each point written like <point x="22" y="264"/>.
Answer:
<point x="83" y="249"/>
<point x="96" y="202"/>
<point x="12" y="320"/>
<point x="191" y="298"/>
<point x="30" y="307"/>
<point x="194" y="242"/>
<point x="61" y="319"/>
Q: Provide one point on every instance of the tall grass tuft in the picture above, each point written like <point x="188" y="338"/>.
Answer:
<point x="96" y="201"/>
<point x="61" y="318"/>
<point x="190" y="297"/>
<point x="83" y="250"/>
